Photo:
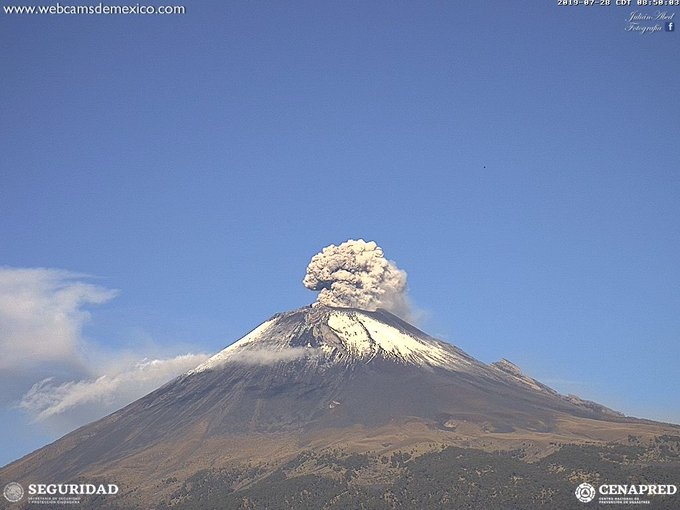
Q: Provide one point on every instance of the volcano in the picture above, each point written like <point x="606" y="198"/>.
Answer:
<point x="328" y="383"/>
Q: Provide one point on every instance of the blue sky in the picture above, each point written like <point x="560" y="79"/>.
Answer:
<point x="518" y="159"/>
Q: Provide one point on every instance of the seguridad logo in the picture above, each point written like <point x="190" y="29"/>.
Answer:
<point x="71" y="489"/>
<point x="14" y="491"/>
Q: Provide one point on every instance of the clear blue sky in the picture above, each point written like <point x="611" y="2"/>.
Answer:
<point x="519" y="160"/>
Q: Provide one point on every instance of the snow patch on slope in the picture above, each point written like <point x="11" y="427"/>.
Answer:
<point x="366" y="337"/>
<point x="353" y="334"/>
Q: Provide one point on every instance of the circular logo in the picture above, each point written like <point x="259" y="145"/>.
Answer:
<point x="585" y="493"/>
<point x="13" y="492"/>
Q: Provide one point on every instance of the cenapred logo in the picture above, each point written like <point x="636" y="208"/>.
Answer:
<point x="623" y="494"/>
<point x="13" y="492"/>
<point x="585" y="493"/>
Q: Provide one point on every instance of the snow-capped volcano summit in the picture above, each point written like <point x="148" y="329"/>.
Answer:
<point x="326" y="335"/>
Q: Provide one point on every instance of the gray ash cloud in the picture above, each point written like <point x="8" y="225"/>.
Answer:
<point x="356" y="274"/>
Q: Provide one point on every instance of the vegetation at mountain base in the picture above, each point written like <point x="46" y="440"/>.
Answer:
<point x="451" y="477"/>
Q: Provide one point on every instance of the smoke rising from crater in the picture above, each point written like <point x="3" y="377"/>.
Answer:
<point x="356" y="274"/>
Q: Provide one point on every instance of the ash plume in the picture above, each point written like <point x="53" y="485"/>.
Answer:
<point x="356" y="274"/>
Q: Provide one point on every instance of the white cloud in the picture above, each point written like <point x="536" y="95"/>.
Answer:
<point x="42" y="315"/>
<point x="43" y="362"/>
<point x="267" y="357"/>
<point x="107" y="392"/>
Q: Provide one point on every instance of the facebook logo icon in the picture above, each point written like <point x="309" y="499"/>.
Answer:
<point x="670" y="26"/>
